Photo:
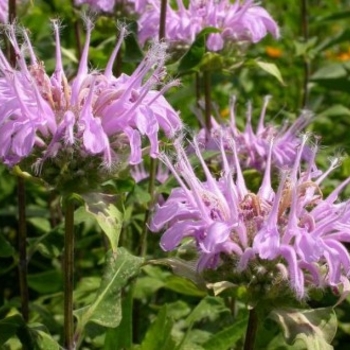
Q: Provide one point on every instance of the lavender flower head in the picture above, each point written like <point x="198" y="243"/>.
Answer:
<point x="253" y="145"/>
<point x="237" y="22"/>
<point x="95" y="122"/>
<point x="289" y="236"/>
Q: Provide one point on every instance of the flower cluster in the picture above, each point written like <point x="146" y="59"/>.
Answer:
<point x="240" y="21"/>
<point x="253" y="145"/>
<point x="291" y="232"/>
<point x="96" y="119"/>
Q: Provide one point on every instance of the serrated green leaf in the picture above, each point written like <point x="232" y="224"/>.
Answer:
<point x="106" y="309"/>
<point x="108" y="217"/>
<point x="228" y="337"/>
<point x="313" y="329"/>
<point x="272" y="69"/>
<point x="158" y="335"/>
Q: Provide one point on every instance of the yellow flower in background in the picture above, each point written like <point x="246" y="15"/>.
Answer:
<point x="225" y="113"/>
<point x="273" y="52"/>
<point x="341" y="56"/>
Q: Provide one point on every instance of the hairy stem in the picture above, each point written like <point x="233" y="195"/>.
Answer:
<point x="162" y="20"/>
<point x="22" y="248"/>
<point x="12" y="19"/>
<point x="251" y="330"/>
<point x="69" y="275"/>
<point x="306" y="63"/>
<point x="12" y="11"/>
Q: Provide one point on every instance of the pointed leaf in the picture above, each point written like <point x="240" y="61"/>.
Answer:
<point x="272" y="69"/>
<point x="315" y="329"/>
<point x="333" y="71"/>
<point x="70" y="54"/>
<point x="335" y="110"/>
<point x="42" y="224"/>
<point x="106" y="308"/>
<point x="108" y="217"/>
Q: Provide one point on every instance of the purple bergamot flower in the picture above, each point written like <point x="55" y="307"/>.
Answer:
<point x="287" y="235"/>
<point x="253" y="144"/>
<point x="96" y="121"/>
<point x="236" y="22"/>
